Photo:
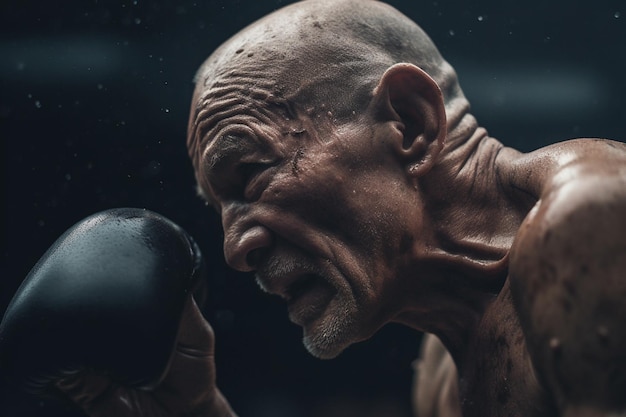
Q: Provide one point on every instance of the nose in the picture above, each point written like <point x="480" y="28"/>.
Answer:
<point x="243" y="250"/>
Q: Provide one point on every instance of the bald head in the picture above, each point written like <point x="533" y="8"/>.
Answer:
<point x="320" y="57"/>
<point x="301" y="124"/>
<point x="346" y="42"/>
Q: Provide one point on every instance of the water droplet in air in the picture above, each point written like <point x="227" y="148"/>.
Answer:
<point x="555" y="345"/>
<point x="480" y="18"/>
<point x="451" y="32"/>
<point x="617" y="15"/>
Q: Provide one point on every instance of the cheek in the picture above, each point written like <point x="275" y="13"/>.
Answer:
<point x="363" y="209"/>
<point x="389" y="227"/>
<point x="310" y="193"/>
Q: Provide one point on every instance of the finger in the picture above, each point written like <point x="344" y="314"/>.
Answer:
<point x="98" y="396"/>
<point x="190" y="379"/>
<point x="195" y="335"/>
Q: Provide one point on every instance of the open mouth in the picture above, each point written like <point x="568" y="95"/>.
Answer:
<point x="308" y="297"/>
<point x="301" y="286"/>
<point x="306" y="292"/>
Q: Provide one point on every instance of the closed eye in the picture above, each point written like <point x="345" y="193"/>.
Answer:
<point x="254" y="179"/>
<point x="234" y="167"/>
<point x="240" y="181"/>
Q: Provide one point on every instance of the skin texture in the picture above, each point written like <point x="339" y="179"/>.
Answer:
<point x="338" y="148"/>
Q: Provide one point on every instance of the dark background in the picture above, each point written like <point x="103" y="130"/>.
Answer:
<point x="94" y="98"/>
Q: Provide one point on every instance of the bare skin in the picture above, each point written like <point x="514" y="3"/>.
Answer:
<point x="338" y="148"/>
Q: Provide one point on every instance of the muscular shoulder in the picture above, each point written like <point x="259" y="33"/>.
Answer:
<point x="582" y="150"/>
<point x="580" y="215"/>
<point x="582" y="162"/>
<point x="582" y="199"/>
<point x="538" y="173"/>
<point x="567" y="273"/>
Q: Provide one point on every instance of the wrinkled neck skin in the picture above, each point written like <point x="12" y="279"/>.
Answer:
<point x="473" y="220"/>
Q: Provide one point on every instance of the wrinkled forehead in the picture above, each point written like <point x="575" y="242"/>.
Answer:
<point x="284" y="68"/>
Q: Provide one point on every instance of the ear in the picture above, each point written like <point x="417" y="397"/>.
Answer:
<point x="410" y="97"/>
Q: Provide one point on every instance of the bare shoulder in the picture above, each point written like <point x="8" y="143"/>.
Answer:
<point x="582" y="196"/>
<point x="567" y="271"/>
<point x="583" y="160"/>
<point x="585" y="181"/>
<point x="586" y="148"/>
<point x="581" y="191"/>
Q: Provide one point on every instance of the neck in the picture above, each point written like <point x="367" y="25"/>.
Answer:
<point x="452" y="304"/>
<point x="472" y="213"/>
<point x="472" y="226"/>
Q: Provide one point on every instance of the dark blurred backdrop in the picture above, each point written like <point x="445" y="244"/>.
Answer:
<point x="94" y="98"/>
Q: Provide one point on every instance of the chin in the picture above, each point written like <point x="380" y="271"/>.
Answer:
<point x="331" y="335"/>
<point x="322" y="348"/>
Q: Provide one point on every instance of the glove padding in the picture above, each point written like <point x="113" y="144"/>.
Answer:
<point x="106" y="299"/>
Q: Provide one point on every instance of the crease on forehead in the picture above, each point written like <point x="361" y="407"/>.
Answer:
<point x="315" y="56"/>
<point x="263" y="80"/>
<point x="308" y="42"/>
<point x="236" y="83"/>
<point x="238" y="102"/>
<point x="252" y="107"/>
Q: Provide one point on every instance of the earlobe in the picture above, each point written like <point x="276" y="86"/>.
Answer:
<point x="407" y="94"/>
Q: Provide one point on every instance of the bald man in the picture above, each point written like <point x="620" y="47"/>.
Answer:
<point x="351" y="178"/>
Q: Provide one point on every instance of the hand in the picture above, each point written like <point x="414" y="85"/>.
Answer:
<point x="188" y="387"/>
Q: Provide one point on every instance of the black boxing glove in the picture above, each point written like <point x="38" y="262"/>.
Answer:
<point x="107" y="297"/>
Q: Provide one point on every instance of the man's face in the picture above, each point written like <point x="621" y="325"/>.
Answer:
<point x="321" y="211"/>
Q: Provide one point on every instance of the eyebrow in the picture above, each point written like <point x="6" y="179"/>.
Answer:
<point x="226" y="146"/>
<point x="224" y="149"/>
